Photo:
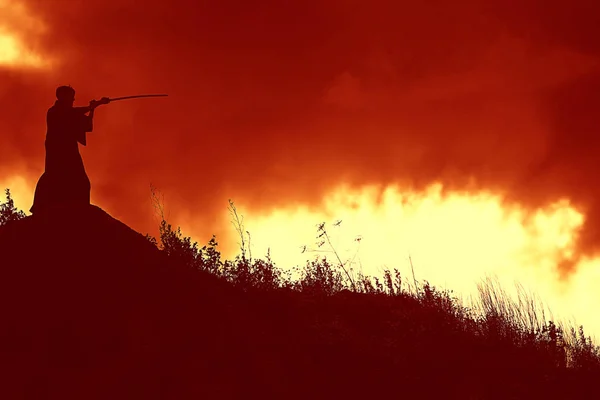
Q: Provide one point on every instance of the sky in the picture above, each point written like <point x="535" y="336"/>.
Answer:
<point x="461" y="133"/>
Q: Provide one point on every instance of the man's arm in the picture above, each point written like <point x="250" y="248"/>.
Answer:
<point x="92" y="106"/>
<point x="82" y="110"/>
<point x="88" y="120"/>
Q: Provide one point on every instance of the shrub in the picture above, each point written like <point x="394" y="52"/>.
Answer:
<point x="8" y="211"/>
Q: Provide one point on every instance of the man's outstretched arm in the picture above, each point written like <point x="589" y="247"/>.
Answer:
<point x="82" y="110"/>
<point x="92" y="106"/>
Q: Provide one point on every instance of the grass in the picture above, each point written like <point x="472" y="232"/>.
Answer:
<point x="339" y="329"/>
<point x="495" y="316"/>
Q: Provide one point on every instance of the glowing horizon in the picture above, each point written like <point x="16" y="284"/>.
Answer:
<point x="454" y="240"/>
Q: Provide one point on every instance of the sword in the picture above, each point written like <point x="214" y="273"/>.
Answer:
<point x="106" y="100"/>
<point x="137" y="96"/>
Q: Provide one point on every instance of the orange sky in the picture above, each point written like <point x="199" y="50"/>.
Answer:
<point x="274" y="104"/>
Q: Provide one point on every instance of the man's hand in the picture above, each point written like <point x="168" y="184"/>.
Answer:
<point x="96" y="103"/>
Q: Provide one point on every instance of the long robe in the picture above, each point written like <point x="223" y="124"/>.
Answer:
<point x="64" y="182"/>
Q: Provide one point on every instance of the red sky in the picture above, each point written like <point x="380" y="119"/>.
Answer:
<point x="274" y="102"/>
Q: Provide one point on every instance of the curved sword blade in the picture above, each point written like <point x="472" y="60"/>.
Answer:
<point x="137" y="96"/>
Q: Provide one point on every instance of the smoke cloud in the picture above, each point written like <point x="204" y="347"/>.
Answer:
<point x="275" y="102"/>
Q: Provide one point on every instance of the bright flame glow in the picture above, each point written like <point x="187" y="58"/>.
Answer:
<point x="18" y="30"/>
<point x="453" y="239"/>
<point x="13" y="53"/>
<point x="21" y="191"/>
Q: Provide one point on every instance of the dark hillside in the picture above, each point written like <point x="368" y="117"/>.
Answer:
<point x="93" y="310"/>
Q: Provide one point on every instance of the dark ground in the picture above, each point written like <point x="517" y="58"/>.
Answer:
<point x="92" y="310"/>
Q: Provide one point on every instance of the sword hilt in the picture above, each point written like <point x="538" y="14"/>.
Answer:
<point x="96" y="103"/>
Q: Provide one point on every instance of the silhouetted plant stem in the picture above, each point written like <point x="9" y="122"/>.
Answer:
<point x="238" y="224"/>
<point x="322" y="228"/>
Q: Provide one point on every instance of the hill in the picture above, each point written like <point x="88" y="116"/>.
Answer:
<point x="92" y="309"/>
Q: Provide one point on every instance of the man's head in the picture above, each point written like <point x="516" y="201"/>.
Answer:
<point x="65" y="95"/>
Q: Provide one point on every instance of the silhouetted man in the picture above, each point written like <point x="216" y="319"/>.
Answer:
<point x="65" y="182"/>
